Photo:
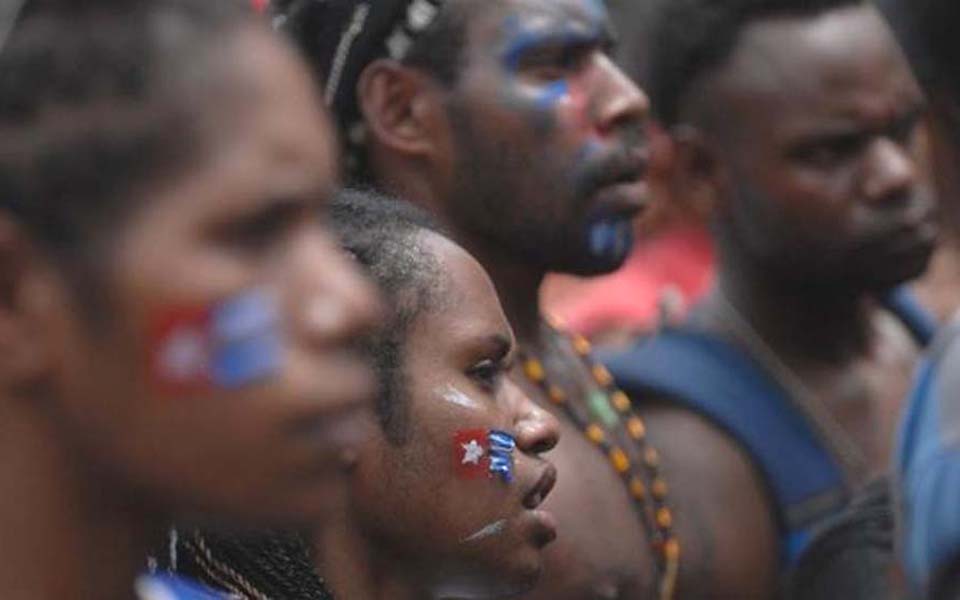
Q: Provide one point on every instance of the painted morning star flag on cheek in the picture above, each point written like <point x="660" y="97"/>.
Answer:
<point x="228" y="345"/>
<point x="483" y="453"/>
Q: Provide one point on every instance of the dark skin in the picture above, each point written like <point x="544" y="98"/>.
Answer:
<point x="541" y="88"/>
<point x="97" y="460"/>
<point x="428" y="533"/>
<point x="816" y="212"/>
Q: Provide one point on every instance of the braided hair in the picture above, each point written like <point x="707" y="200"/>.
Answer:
<point x="92" y="112"/>
<point x="260" y="566"/>
<point x="340" y="38"/>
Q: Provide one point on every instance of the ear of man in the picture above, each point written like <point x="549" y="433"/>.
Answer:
<point x="29" y="299"/>
<point x="695" y="174"/>
<point x="402" y="108"/>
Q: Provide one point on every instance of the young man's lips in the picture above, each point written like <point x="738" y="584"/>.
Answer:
<point x="541" y="490"/>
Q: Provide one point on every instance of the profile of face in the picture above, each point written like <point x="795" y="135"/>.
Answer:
<point x="549" y="149"/>
<point x="814" y="123"/>
<point x="223" y="379"/>
<point x="436" y="498"/>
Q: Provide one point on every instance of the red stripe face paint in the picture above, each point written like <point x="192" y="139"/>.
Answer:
<point x="471" y="457"/>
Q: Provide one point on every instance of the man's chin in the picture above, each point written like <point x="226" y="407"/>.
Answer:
<point x="595" y="266"/>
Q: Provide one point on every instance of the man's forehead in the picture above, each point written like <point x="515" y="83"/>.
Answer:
<point x="836" y="55"/>
<point x="546" y="14"/>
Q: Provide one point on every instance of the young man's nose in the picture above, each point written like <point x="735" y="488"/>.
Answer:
<point x="621" y="104"/>
<point x="890" y="173"/>
<point x="537" y="431"/>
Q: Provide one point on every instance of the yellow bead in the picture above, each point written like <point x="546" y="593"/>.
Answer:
<point x="637" y="429"/>
<point x="602" y="375"/>
<point x="620" y="461"/>
<point x="581" y="345"/>
<point x="620" y="401"/>
<point x="595" y="434"/>
<point x="671" y="550"/>
<point x="557" y="395"/>
<point x="652" y="457"/>
<point x="659" y="489"/>
<point x="664" y="518"/>
<point x="637" y="489"/>
<point x="534" y="370"/>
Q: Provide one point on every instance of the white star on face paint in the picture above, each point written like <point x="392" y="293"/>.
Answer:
<point x="472" y="453"/>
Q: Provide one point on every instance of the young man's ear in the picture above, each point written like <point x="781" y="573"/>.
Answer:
<point x="695" y="176"/>
<point x="401" y="107"/>
<point x="27" y="302"/>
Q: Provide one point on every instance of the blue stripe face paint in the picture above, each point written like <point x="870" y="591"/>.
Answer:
<point x="610" y="240"/>
<point x="229" y="345"/>
<point x="502" y="445"/>
<point x="553" y="94"/>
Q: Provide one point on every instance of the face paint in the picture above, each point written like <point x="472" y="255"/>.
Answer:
<point x="455" y="396"/>
<point x="478" y="453"/>
<point x="229" y="345"/>
<point x="490" y="530"/>
<point x="610" y="240"/>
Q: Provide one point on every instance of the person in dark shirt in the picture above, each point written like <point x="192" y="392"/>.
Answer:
<point x="796" y="122"/>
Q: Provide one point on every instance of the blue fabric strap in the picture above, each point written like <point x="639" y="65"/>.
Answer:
<point x="720" y="382"/>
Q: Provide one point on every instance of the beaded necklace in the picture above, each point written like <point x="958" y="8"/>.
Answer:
<point x="611" y="408"/>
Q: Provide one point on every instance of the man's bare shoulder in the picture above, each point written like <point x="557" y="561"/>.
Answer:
<point x="724" y="516"/>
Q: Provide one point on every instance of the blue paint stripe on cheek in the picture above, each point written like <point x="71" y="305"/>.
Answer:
<point x="552" y="94"/>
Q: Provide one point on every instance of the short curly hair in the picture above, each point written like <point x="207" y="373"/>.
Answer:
<point x="692" y="37"/>
<point x="383" y="234"/>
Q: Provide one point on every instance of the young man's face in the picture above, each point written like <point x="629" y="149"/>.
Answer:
<point x="222" y="379"/>
<point x="468" y="529"/>
<point x="549" y="149"/>
<point x="815" y="125"/>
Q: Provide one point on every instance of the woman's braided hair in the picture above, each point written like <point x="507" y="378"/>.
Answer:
<point x="340" y="38"/>
<point x="262" y="566"/>
<point x="90" y="110"/>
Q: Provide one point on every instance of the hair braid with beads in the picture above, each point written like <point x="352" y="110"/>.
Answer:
<point x="340" y="38"/>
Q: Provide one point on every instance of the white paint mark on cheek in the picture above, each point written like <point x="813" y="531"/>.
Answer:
<point x="490" y="530"/>
<point x="455" y="396"/>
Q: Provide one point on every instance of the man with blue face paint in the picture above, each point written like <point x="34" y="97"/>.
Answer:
<point x="510" y="122"/>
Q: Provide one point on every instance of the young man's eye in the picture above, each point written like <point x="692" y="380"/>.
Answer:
<point x="903" y="132"/>
<point x="263" y="228"/>
<point x="555" y="63"/>
<point x="829" y="153"/>
<point x="487" y="373"/>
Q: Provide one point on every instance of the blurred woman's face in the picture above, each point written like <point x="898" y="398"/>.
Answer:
<point x="224" y="380"/>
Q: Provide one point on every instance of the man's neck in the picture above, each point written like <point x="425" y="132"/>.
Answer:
<point x="64" y="535"/>
<point x="518" y="288"/>
<point x="828" y="325"/>
<point x="517" y="284"/>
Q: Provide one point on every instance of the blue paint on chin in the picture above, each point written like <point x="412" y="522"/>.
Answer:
<point x="610" y="240"/>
